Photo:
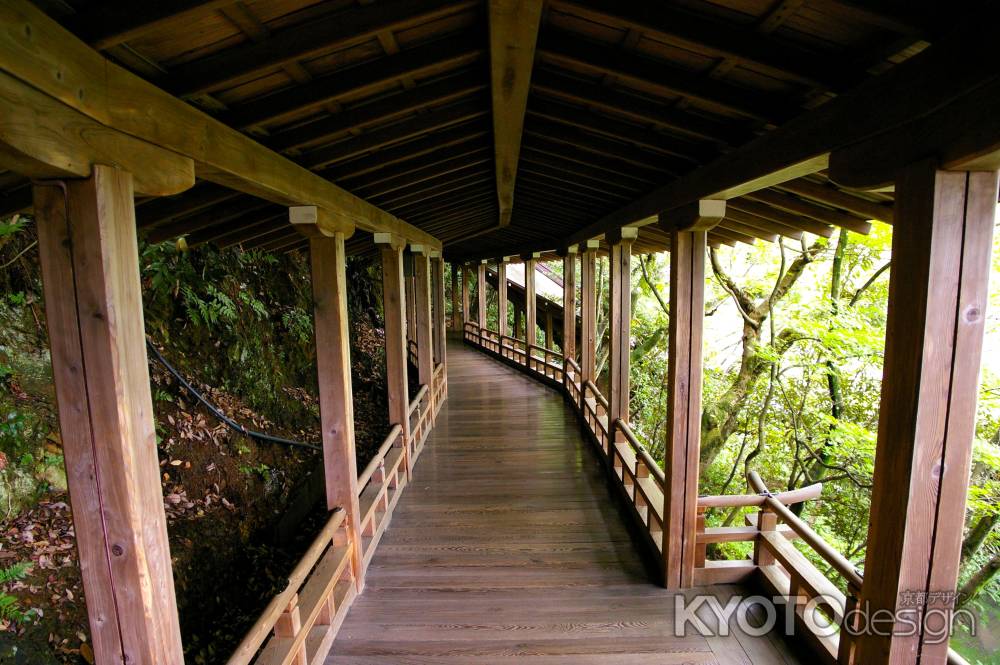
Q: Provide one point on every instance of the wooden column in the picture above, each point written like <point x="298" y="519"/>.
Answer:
<point x="93" y="302"/>
<point x="333" y="366"/>
<point x="456" y="298"/>
<point x="588" y="310"/>
<point x="481" y="294"/>
<point x="530" y="301"/>
<point x="934" y="335"/>
<point x="422" y="314"/>
<point x="466" y="310"/>
<point x="437" y="306"/>
<point x="569" y="302"/>
<point x="620" y="297"/>
<point x="548" y="329"/>
<point x="688" y="230"/>
<point x="502" y="297"/>
<point x="393" y="301"/>
<point x="408" y="298"/>
<point x="518" y="322"/>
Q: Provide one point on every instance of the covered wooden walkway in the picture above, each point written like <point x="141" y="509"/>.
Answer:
<point x="507" y="545"/>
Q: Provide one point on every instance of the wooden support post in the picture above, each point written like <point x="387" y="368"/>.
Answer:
<point x="440" y="334"/>
<point x="93" y="301"/>
<point x="530" y="301"/>
<point x="393" y="294"/>
<point x="502" y="297"/>
<point x="620" y="296"/>
<point x="518" y="322"/>
<point x="333" y="366"/>
<point x="569" y="302"/>
<point x="688" y="230"/>
<point x="456" y="298"/>
<point x="408" y="287"/>
<point x="588" y="310"/>
<point x="934" y="335"/>
<point x="422" y="311"/>
<point x="481" y="294"/>
<point x="466" y="310"/>
<point x="549" y="324"/>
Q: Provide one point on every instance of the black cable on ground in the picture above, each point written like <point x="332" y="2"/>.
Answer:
<point x="232" y="424"/>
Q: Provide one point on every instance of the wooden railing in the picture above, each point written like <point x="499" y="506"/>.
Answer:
<point x="300" y="623"/>
<point x="440" y="387"/>
<point x="815" y="598"/>
<point x="379" y="487"/>
<point x="421" y="418"/>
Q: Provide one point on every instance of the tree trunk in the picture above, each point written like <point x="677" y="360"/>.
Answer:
<point x="979" y="581"/>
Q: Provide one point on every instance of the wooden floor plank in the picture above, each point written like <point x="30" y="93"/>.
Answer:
<point x="507" y="546"/>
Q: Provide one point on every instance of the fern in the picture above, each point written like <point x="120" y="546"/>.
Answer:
<point x="10" y="609"/>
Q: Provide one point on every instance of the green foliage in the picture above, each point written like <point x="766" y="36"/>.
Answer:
<point x="10" y="607"/>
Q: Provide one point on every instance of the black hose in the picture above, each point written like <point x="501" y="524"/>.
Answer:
<point x="219" y="414"/>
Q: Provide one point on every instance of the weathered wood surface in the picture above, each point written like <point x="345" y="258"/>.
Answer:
<point x="508" y="547"/>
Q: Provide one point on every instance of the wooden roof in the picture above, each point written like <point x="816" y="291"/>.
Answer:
<point x="392" y="101"/>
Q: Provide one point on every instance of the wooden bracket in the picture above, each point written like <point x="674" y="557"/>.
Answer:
<point x="566" y="251"/>
<point x="625" y="233"/>
<point x="391" y="239"/>
<point x="316" y="222"/>
<point x="590" y="245"/>
<point x="703" y="215"/>
<point x="530" y="255"/>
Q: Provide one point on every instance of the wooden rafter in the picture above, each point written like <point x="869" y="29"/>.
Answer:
<point x="107" y="94"/>
<point x="338" y="30"/>
<point x="513" y="33"/>
<point x="108" y="24"/>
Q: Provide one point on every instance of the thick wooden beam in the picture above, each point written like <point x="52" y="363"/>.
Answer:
<point x="687" y="306"/>
<point x="242" y="63"/>
<point x="702" y="215"/>
<point x="569" y="302"/>
<point x="502" y="297"/>
<point x="530" y="300"/>
<point x="937" y="302"/>
<point x="422" y="308"/>
<point x="513" y="34"/>
<point x="328" y="263"/>
<point x="801" y="207"/>
<point x="42" y="138"/>
<point x="90" y="268"/>
<point x="588" y="309"/>
<point x="620" y="300"/>
<point x="394" y="304"/>
<point x="32" y="46"/>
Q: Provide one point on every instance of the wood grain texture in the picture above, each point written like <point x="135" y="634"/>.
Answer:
<point x="530" y="303"/>
<point x="93" y="298"/>
<point x="507" y="547"/>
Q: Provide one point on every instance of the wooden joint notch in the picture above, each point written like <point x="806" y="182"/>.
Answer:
<point x="703" y="215"/>
<point x="563" y="252"/>
<point x="316" y="222"/>
<point x="531" y="255"/>
<point x="591" y="245"/>
<point x="624" y="234"/>
<point x="423" y="250"/>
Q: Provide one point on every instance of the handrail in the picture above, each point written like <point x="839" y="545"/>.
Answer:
<point x="640" y="449"/>
<point x="837" y="560"/>
<point x="415" y="402"/>
<point x="601" y="399"/>
<point x="572" y="363"/>
<point x="262" y="628"/>
<point x="786" y="498"/>
<point x="390" y="439"/>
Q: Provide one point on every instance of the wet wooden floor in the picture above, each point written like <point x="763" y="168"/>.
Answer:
<point x="506" y="547"/>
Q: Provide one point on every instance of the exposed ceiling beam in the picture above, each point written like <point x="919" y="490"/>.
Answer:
<point x="513" y="34"/>
<point x="717" y="39"/>
<point x="302" y="42"/>
<point x="566" y="48"/>
<point x="957" y="72"/>
<point x="367" y="77"/>
<point x="107" y="24"/>
<point x="110" y="95"/>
